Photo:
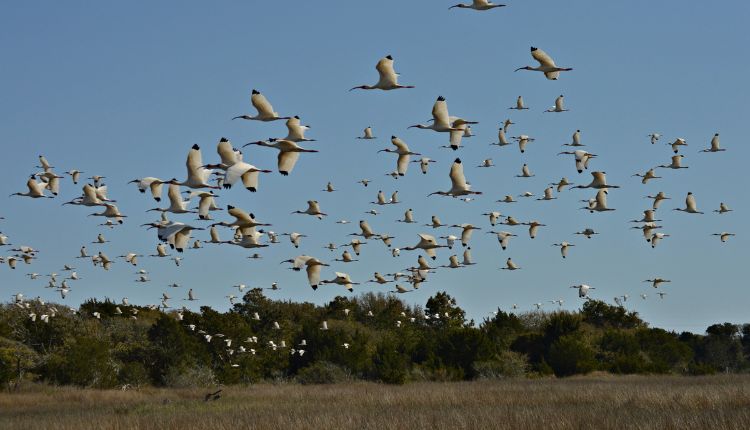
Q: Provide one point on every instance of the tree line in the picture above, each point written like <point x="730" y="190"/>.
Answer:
<point x="373" y="337"/>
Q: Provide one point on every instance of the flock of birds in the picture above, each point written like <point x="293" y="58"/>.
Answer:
<point x="229" y="169"/>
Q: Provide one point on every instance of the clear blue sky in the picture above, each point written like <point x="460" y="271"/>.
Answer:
<point x="124" y="90"/>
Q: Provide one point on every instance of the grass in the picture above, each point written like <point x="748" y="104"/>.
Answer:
<point x="592" y="402"/>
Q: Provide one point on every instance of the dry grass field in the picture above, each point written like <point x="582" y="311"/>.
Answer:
<point x="592" y="402"/>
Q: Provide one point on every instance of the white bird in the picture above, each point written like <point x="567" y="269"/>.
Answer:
<point x="598" y="203"/>
<point x="36" y="190"/>
<point x="441" y="121"/>
<point x="459" y="186"/>
<point x="176" y="204"/>
<point x="563" y="248"/>
<point x="296" y="131"/>
<point x="367" y="134"/>
<point x="656" y="238"/>
<point x="588" y="232"/>
<point x="426" y="243"/>
<point x="408" y="217"/>
<point x="519" y="104"/>
<point x="523" y="140"/>
<point x="650" y="174"/>
<point x="400" y="290"/>
<point x="561" y="184"/>
<point x="657" y="281"/>
<point x="677" y="143"/>
<point x="346" y="257"/>
<point x="599" y="181"/>
<point x="329" y="188"/>
<point x="654" y="137"/>
<point x="288" y="153"/>
<point x="264" y="108"/>
<point x="313" y="208"/>
<point x="404" y="153"/>
<point x="341" y="279"/>
<point x="525" y="172"/>
<point x="453" y="263"/>
<point x="111" y="211"/>
<point x="487" y="163"/>
<point x="480" y="5"/>
<point x="724" y="236"/>
<point x="534" y="227"/>
<point x="510" y="265"/>
<point x="715" y="145"/>
<point x="502" y="140"/>
<point x="657" y="198"/>
<point x="690" y="205"/>
<point x="74" y="174"/>
<point x="583" y="290"/>
<point x="388" y="79"/>
<point x="313" y="267"/>
<point x="197" y="175"/>
<point x="424" y="163"/>
<point x="548" y="194"/>
<point x="675" y="164"/>
<point x="154" y="185"/>
<point x="559" y="105"/>
<point x="576" y="139"/>
<point x="546" y="65"/>
<point x="467" y="230"/>
<point x="582" y="158"/>
<point x="723" y="208"/>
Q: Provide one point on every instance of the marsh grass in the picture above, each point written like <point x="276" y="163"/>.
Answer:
<point x="592" y="402"/>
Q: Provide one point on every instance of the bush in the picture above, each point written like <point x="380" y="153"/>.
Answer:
<point x="570" y="355"/>
<point x="507" y="364"/>
<point x="323" y="372"/>
<point x="190" y="377"/>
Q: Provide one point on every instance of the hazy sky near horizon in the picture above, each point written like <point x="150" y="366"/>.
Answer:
<point x="124" y="89"/>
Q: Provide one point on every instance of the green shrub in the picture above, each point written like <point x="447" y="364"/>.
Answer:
<point x="323" y="372"/>
<point x="507" y="364"/>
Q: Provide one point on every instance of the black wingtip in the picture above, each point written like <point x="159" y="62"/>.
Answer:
<point x="224" y="139"/>
<point x="255" y="91"/>
<point x="389" y="56"/>
<point x="196" y="147"/>
<point x="441" y="99"/>
<point x="296" y="116"/>
<point x="230" y="207"/>
<point x="457" y="160"/>
<point x="533" y="49"/>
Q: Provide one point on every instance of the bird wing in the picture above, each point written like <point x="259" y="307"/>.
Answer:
<point x="194" y="163"/>
<point x="457" y="175"/>
<point x="287" y="160"/>
<point x="440" y="112"/>
<point x="313" y="274"/>
<point x="690" y="203"/>
<point x="388" y="76"/>
<point x="204" y="206"/>
<point x="543" y="58"/>
<point x="250" y="179"/>
<point x="456" y="135"/>
<point x="240" y="215"/>
<point x="226" y="152"/>
<point x="400" y="145"/>
<point x="402" y="164"/>
<point x="260" y="103"/>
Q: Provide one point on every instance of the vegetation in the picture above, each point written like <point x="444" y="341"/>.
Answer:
<point x="372" y="337"/>
<point x="602" y="402"/>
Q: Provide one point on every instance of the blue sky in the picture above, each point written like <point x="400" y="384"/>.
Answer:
<point x="124" y="90"/>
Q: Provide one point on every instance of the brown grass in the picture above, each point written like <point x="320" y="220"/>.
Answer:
<point x="593" y="402"/>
